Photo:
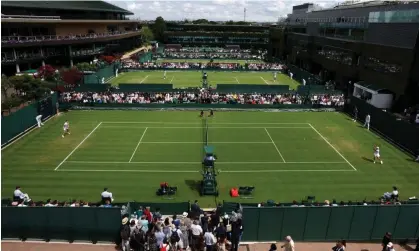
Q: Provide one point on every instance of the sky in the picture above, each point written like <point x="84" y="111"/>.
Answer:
<point x="214" y="10"/>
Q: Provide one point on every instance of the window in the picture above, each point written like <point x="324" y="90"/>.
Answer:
<point x="336" y="54"/>
<point x="400" y="16"/>
<point x="380" y="65"/>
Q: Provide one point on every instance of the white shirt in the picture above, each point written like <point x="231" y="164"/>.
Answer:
<point x="368" y="118"/>
<point x="65" y="125"/>
<point x="50" y="205"/>
<point x="18" y="193"/>
<point x="73" y="205"/>
<point x="196" y="229"/>
<point x="22" y="205"/>
<point x="209" y="239"/>
<point x="106" y="194"/>
<point x="395" y="192"/>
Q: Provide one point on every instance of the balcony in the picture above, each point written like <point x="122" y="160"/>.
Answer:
<point x="24" y="41"/>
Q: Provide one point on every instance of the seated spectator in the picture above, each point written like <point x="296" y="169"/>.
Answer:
<point x="395" y="193"/>
<point x="19" y="195"/>
<point x="105" y="195"/>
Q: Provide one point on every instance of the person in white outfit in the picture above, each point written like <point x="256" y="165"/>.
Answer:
<point x="289" y="244"/>
<point x="39" y="120"/>
<point x="367" y="122"/>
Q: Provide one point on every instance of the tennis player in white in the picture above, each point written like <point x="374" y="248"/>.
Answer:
<point x="39" y="120"/>
<point x="377" y="156"/>
<point x="66" y="128"/>
<point x="164" y="74"/>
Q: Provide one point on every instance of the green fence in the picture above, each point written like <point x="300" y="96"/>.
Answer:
<point x="65" y="223"/>
<point x="250" y="88"/>
<point x="352" y="223"/>
<point x="399" y="132"/>
<point x="15" y="124"/>
<point x="104" y="73"/>
<point x="145" y="87"/>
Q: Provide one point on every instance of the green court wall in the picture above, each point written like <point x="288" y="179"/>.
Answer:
<point x="63" y="223"/>
<point x="352" y="223"/>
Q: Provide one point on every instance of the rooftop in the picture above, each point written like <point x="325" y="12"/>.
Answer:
<point x="101" y="6"/>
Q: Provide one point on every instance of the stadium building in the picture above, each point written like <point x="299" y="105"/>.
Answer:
<point x="244" y="36"/>
<point x="376" y="42"/>
<point x="62" y="33"/>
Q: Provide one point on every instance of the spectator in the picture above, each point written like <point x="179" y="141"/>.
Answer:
<point x="339" y="246"/>
<point x="395" y="193"/>
<point x="196" y="231"/>
<point x="175" y="221"/>
<point x="138" y="239"/>
<point x="273" y="247"/>
<point x="386" y="240"/>
<point x="106" y="195"/>
<point x="143" y="222"/>
<point x="204" y="222"/>
<point x="175" y="239"/>
<point x="195" y="210"/>
<point x="236" y="232"/>
<point x="125" y="234"/>
<point x="19" y="195"/>
<point x="167" y="227"/>
<point x="184" y="236"/>
<point x="289" y="244"/>
<point x="160" y="236"/>
<point x="152" y="242"/>
<point x="210" y="240"/>
<point x="390" y="247"/>
<point x="157" y="214"/>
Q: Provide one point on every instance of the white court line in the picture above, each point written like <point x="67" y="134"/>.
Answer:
<point x="210" y="127"/>
<point x="194" y="123"/>
<point x="194" y="163"/>
<point x="172" y="79"/>
<point x="279" y="170"/>
<point x="237" y="80"/>
<point x="282" y="157"/>
<point x="195" y="171"/>
<point x="136" y="171"/>
<point x="266" y="82"/>
<point x="180" y="142"/>
<point x="139" y="142"/>
<point x="144" y="79"/>
<point x="68" y="156"/>
<point x="332" y="147"/>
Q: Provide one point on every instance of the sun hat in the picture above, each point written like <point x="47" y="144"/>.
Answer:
<point x="185" y="214"/>
<point x="288" y="238"/>
<point x="124" y="220"/>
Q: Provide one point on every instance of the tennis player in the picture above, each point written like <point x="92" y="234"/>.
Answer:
<point x="39" y="120"/>
<point x="66" y="129"/>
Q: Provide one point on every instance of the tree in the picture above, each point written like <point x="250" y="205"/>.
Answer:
<point x="6" y="86"/>
<point x="71" y="77"/>
<point x="47" y="72"/>
<point x="159" y="28"/>
<point x="86" y="67"/>
<point x="21" y="84"/>
<point x="108" y="59"/>
<point x="146" y="35"/>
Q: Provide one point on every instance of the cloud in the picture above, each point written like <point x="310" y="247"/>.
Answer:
<point x="215" y="10"/>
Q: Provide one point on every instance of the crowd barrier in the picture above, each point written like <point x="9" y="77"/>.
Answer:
<point x="399" y="132"/>
<point x="15" y="124"/>
<point x="351" y="223"/>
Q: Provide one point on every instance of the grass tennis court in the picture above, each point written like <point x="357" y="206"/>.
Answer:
<point x="286" y="156"/>
<point x="181" y="79"/>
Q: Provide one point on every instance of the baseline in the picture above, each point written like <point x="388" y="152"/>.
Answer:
<point x="198" y="123"/>
<point x="68" y="156"/>
<point x="349" y="163"/>
<point x="196" y="162"/>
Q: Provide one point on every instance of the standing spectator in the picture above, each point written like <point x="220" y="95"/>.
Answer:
<point x="195" y="210"/>
<point x="386" y="240"/>
<point x="204" y="222"/>
<point x="175" y="221"/>
<point x="184" y="236"/>
<point x="289" y="244"/>
<point x="143" y="222"/>
<point x="221" y="233"/>
<point x="157" y="214"/>
<point x="160" y="236"/>
<point x="196" y="231"/>
<point x="152" y="241"/>
<point x="210" y="239"/>
<point x="236" y="231"/>
<point x="125" y="234"/>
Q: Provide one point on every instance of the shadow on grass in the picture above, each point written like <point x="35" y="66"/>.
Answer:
<point x="367" y="159"/>
<point x="194" y="185"/>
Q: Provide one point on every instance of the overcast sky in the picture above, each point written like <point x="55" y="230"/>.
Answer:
<point x="215" y="10"/>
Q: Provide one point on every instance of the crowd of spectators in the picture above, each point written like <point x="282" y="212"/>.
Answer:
<point x="196" y="230"/>
<point x="131" y="64"/>
<point x="15" y="39"/>
<point x="212" y="53"/>
<point x="202" y="96"/>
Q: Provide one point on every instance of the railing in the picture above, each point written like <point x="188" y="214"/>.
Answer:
<point x="31" y="39"/>
<point x="31" y="17"/>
